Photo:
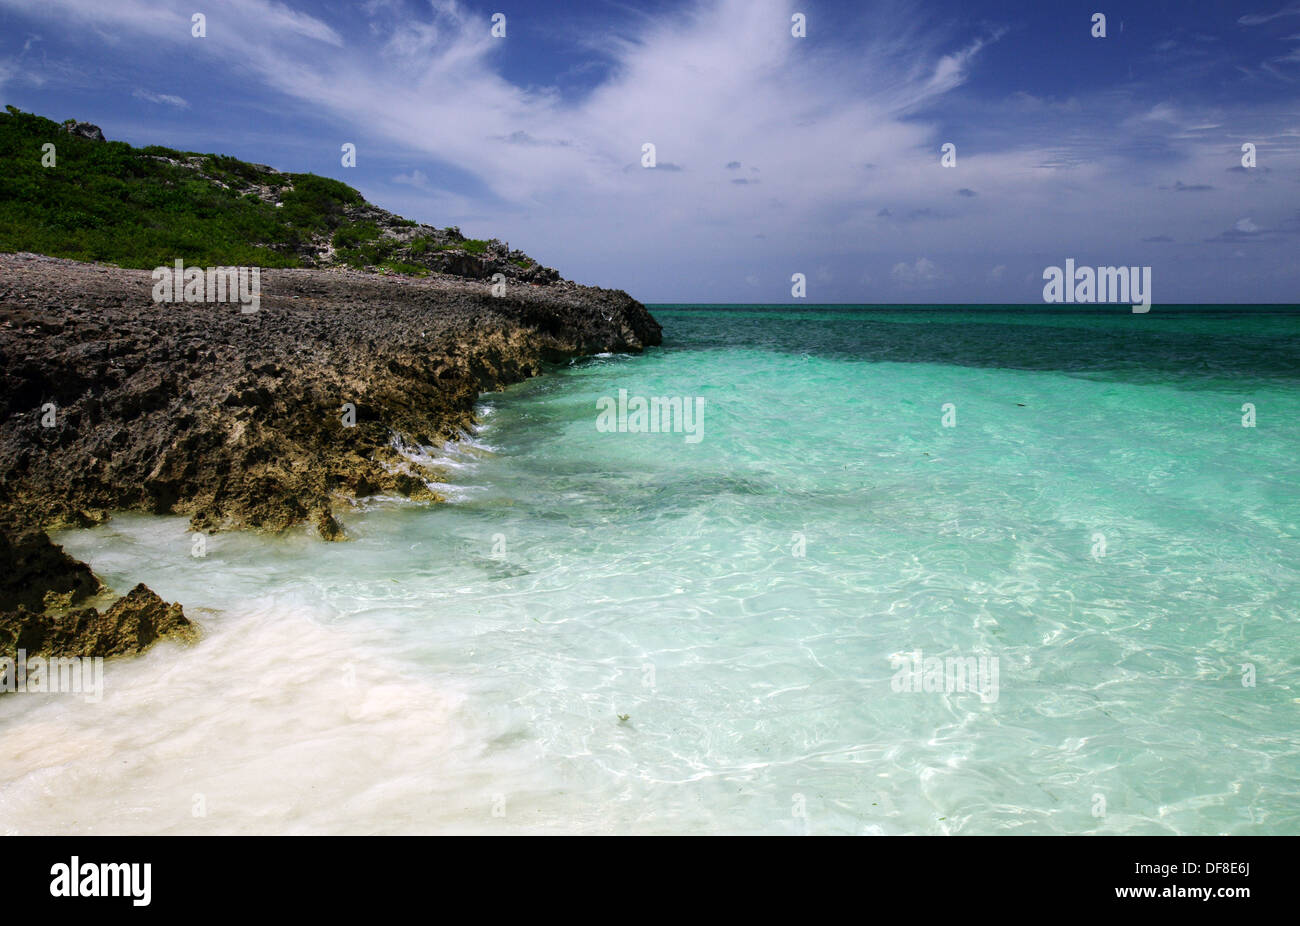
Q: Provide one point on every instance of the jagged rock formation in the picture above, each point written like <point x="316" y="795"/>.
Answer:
<point x="33" y="571"/>
<point x="111" y="401"/>
<point x="83" y="130"/>
<point x="135" y="622"/>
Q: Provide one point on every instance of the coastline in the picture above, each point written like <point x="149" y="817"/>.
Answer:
<point x="254" y="421"/>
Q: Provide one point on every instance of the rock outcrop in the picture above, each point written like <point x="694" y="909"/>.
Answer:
<point x="111" y="401"/>
<point x="135" y="622"/>
<point x="262" y="420"/>
<point x="83" y="130"/>
<point x="33" y="571"/>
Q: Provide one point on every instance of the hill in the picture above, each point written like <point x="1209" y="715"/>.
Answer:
<point x="145" y="207"/>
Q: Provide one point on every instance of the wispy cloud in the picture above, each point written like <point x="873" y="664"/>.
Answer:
<point x="167" y="99"/>
<point x="415" y="178"/>
<point x="1257" y="19"/>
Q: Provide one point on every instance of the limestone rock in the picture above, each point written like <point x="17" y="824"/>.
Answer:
<point x="134" y="623"/>
<point x="83" y="130"/>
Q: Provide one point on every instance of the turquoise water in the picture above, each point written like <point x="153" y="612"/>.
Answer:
<point x="1097" y="520"/>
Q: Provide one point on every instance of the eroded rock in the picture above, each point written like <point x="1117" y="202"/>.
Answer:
<point x="33" y="568"/>
<point x="134" y="623"/>
<point x="111" y="401"/>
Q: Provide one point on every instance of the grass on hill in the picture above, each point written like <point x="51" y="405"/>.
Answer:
<point x="145" y="207"/>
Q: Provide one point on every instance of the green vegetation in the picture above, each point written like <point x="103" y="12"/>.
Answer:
<point x="353" y="235"/>
<point x="146" y="207"/>
<point x="398" y="266"/>
<point x="143" y="207"/>
<point x="360" y="245"/>
<point x="368" y="254"/>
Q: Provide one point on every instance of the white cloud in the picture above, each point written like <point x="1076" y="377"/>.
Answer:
<point x="951" y="69"/>
<point x="12" y="70"/>
<point x="922" y="273"/>
<point x="164" y="98"/>
<point x="1255" y="19"/>
<point x="415" y="178"/>
<point x="1161" y="112"/>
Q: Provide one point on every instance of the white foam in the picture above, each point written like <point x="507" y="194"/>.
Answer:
<point x="272" y="724"/>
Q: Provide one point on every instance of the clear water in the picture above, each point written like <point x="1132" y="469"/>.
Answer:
<point x="463" y="668"/>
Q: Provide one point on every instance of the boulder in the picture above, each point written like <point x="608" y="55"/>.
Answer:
<point x="83" y="130"/>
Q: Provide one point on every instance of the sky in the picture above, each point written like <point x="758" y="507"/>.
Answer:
<point x="775" y="154"/>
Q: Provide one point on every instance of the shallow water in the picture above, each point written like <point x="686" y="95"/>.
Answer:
<point x="463" y="668"/>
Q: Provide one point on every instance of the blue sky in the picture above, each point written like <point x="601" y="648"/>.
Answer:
<point x="775" y="154"/>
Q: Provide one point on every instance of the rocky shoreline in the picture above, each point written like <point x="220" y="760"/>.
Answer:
<point x="260" y="420"/>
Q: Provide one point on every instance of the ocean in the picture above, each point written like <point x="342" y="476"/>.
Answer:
<point x="997" y="570"/>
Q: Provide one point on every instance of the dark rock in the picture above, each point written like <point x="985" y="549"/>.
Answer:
<point x="328" y="527"/>
<point x="250" y="433"/>
<point x="32" y="567"/>
<point x="133" y="624"/>
<point x="83" y="130"/>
